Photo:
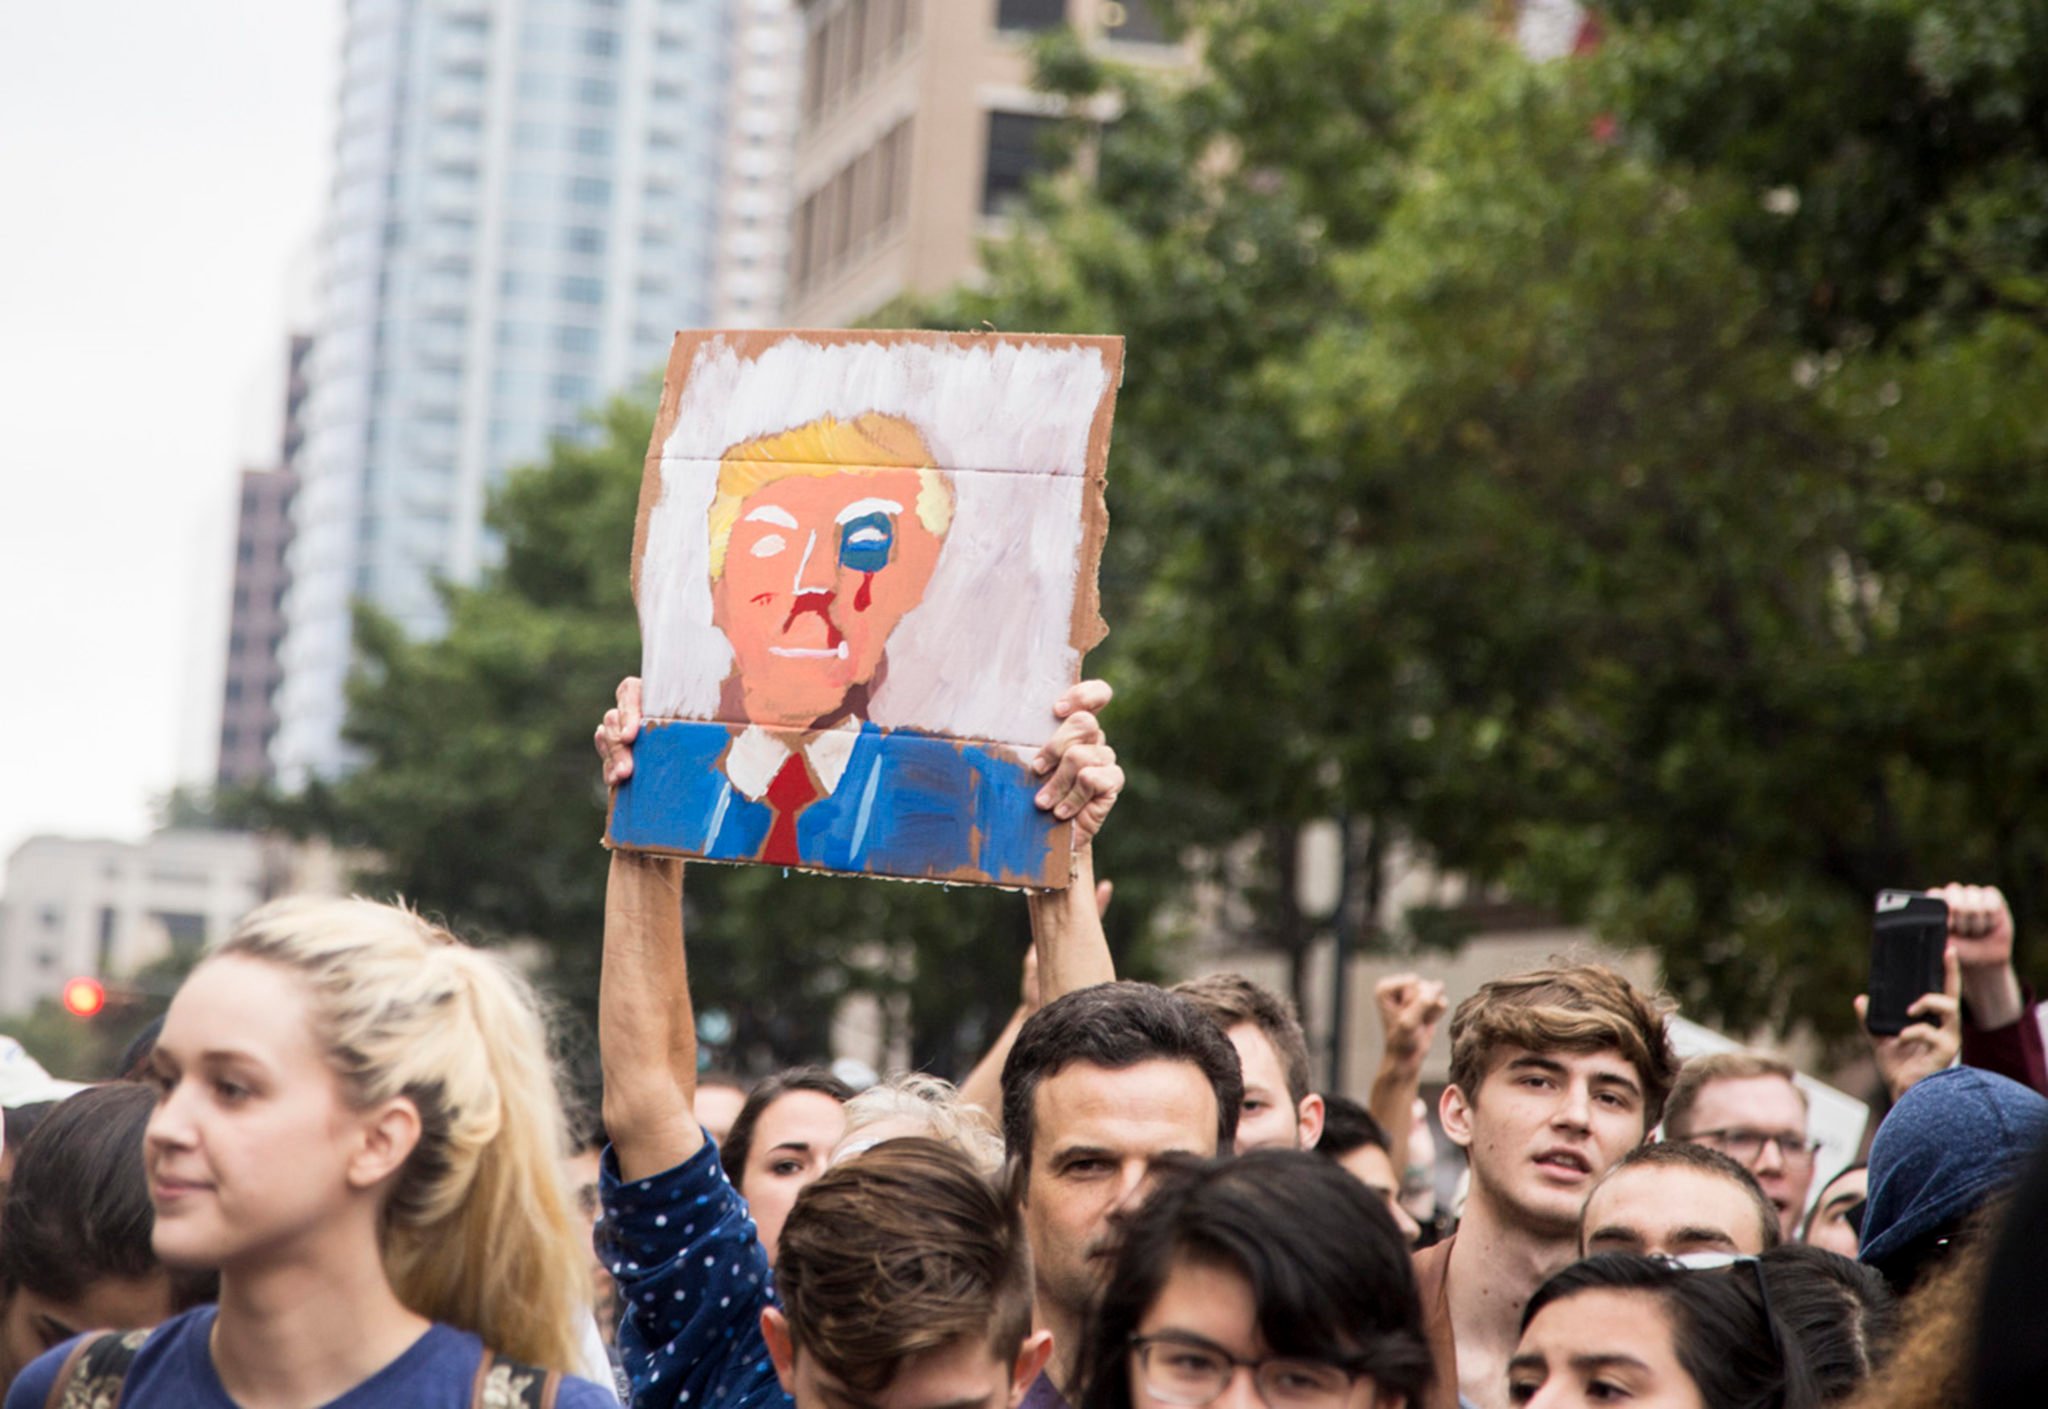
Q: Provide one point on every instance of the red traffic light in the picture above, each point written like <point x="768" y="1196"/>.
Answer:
<point x="84" y="997"/>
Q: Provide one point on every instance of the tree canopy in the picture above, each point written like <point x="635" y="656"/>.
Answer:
<point x="1620" y="478"/>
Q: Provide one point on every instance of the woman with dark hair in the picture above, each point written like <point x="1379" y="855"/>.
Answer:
<point x="1276" y="1265"/>
<point x="74" y="1239"/>
<point x="780" y="1142"/>
<point x="1842" y="1314"/>
<point x="1657" y="1333"/>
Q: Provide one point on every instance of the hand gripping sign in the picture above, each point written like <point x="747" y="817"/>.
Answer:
<point x="865" y="566"/>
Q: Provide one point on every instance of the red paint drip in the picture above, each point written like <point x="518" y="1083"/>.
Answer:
<point x="819" y="602"/>
<point x="866" y="593"/>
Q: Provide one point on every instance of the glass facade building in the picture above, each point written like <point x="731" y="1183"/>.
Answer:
<point x="524" y="211"/>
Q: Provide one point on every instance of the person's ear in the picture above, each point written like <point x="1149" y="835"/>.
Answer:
<point x="1309" y="1120"/>
<point x="781" y="1349"/>
<point x="1032" y="1358"/>
<point x="388" y="1136"/>
<point x="1454" y="1112"/>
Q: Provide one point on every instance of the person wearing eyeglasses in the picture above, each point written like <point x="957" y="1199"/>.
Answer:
<point x="1273" y="1279"/>
<point x="1657" y="1333"/>
<point x="1747" y="1106"/>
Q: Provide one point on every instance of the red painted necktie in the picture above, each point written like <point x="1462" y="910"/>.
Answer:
<point x="790" y="793"/>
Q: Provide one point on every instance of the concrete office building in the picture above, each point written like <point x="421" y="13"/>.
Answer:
<point x="263" y="532"/>
<point x="78" y="906"/>
<point x="248" y="711"/>
<point x="523" y="213"/>
<point x="919" y="127"/>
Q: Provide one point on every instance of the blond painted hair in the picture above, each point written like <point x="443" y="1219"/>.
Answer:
<point x="826" y="446"/>
<point x="935" y="1107"/>
<point x="479" y="1230"/>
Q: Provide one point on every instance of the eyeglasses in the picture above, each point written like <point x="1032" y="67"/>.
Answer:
<point x="1191" y="1372"/>
<point x="1702" y="1261"/>
<point x="1745" y="1145"/>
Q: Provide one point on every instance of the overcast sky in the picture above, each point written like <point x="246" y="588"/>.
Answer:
<point x="162" y="164"/>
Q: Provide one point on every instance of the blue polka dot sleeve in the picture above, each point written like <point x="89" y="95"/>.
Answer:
<point x="692" y="1282"/>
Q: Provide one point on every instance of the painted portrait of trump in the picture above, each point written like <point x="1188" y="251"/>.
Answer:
<point x="865" y="567"/>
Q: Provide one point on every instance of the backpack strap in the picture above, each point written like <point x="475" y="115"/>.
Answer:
<point x="95" y="1373"/>
<point x="507" y="1384"/>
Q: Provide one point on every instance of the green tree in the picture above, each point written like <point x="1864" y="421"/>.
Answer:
<point x="1490" y="466"/>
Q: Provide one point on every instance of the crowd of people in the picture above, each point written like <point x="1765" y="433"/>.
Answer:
<point x="341" y="1174"/>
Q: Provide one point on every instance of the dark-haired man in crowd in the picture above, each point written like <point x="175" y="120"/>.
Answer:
<point x="1281" y="1111"/>
<point x="1675" y="1200"/>
<point x="1355" y="1141"/>
<point x="1101" y="1082"/>
<point x="1555" y="1075"/>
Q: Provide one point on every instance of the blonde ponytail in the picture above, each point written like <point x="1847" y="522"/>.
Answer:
<point x="478" y="1229"/>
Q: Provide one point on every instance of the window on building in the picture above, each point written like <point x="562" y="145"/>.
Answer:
<point x="578" y="288"/>
<point x="800" y="243"/>
<point x="842" y="214"/>
<point x="1030" y="14"/>
<point x="1016" y="151"/>
<point x="598" y="92"/>
<point x="571" y="338"/>
<point x="584" y="239"/>
<point x="187" y="932"/>
<point x="600" y="42"/>
<point x="590" y="190"/>
<point x="1138" y="21"/>
<point x="854" y="45"/>
<point x="896" y="174"/>
<point x="595" y="140"/>
<point x="814" y="73"/>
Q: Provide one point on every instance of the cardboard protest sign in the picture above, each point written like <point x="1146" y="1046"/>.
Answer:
<point x="865" y="566"/>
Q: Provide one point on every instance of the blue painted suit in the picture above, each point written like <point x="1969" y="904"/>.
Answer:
<point x="907" y="804"/>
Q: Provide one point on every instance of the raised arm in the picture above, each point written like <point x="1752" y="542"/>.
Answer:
<point x="647" y="1030"/>
<point x="2001" y="1023"/>
<point x="1082" y="781"/>
<point x="1410" y="1008"/>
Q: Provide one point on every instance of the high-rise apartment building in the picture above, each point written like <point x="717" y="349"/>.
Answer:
<point x="248" y="711"/>
<point x="523" y="213"/>
<point x="760" y="155"/>
<point x="263" y="534"/>
<point x="919" y="127"/>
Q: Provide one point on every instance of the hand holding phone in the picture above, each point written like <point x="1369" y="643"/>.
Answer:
<point x="1907" y="939"/>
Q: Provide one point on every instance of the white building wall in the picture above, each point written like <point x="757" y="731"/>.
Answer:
<point x="523" y="214"/>
<point x="104" y="908"/>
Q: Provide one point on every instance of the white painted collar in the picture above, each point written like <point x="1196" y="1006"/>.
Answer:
<point x="757" y="755"/>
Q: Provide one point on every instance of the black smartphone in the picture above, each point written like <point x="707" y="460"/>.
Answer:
<point x="1907" y="938"/>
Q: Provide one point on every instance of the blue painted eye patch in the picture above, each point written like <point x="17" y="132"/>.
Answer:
<point x="864" y="543"/>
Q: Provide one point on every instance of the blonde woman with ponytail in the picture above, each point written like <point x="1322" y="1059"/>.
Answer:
<point x="358" y="1125"/>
